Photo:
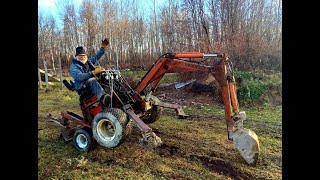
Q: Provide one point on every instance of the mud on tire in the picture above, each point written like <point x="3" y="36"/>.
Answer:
<point x="110" y="127"/>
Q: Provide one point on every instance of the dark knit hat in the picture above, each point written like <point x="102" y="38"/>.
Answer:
<point x="80" y="50"/>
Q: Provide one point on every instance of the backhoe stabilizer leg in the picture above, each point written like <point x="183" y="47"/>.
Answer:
<point x="178" y="109"/>
<point x="149" y="139"/>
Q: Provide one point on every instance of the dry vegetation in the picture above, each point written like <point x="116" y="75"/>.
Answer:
<point x="250" y="32"/>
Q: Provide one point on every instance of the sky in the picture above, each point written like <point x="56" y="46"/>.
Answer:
<point x="47" y="7"/>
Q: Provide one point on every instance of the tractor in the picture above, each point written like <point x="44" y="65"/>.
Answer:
<point x="109" y="126"/>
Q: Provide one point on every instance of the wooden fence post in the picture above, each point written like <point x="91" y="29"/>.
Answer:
<point x="46" y="74"/>
<point x="39" y="79"/>
<point x="115" y="57"/>
<point x="60" y="72"/>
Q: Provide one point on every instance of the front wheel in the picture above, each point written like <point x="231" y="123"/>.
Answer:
<point x="82" y="140"/>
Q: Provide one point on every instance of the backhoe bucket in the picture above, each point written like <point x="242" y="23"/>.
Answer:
<point x="247" y="143"/>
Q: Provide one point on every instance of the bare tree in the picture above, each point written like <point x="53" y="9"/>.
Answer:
<point x="248" y="31"/>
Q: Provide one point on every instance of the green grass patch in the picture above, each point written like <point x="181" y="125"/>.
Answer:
<point x="259" y="87"/>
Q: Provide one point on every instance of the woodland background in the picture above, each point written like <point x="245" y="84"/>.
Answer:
<point x="249" y="31"/>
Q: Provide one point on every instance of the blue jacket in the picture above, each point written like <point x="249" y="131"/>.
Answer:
<point x="77" y="71"/>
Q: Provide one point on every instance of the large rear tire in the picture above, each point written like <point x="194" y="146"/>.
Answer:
<point x="124" y="120"/>
<point x="110" y="127"/>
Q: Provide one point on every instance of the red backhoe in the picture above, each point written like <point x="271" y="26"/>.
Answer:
<point x="109" y="126"/>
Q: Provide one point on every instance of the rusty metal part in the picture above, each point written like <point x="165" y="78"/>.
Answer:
<point x="149" y="139"/>
<point x="141" y="125"/>
<point x="67" y="132"/>
<point x="179" y="111"/>
<point x="155" y="101"/>
<point x="74" y="117"/>
<point x="59" y="121"/>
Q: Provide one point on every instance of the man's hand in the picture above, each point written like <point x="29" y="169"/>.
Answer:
<point x="97" y="71"/>
<point x="105" y="43"/>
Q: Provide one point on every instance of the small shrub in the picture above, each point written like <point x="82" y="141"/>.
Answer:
<point x="249" y="86"/>
<point x="251" y="90"/>
<point x="259" y="87"/>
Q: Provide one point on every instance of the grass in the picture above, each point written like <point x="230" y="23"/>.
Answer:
<point x="259" y="88"/>
<point x="196" y="147"/>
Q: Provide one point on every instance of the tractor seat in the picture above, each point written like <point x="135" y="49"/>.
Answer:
<point x="83" y="93"/>
<point x="70" y="85"/>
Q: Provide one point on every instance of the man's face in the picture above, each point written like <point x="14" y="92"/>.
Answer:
<point x="82" y="58"/>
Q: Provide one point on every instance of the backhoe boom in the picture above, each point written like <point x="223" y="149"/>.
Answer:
<point x="245" y="140"/>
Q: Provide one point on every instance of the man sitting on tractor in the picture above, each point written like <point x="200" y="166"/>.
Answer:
<point x="83" y="73"/>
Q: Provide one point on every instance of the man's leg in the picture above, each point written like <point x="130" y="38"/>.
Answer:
<point x="98" y="91"/>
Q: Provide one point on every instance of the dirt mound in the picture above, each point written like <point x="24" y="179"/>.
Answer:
<point x="213" y="164"/>
<point x="220" y="166"/>
<point x="198" y="94"/>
